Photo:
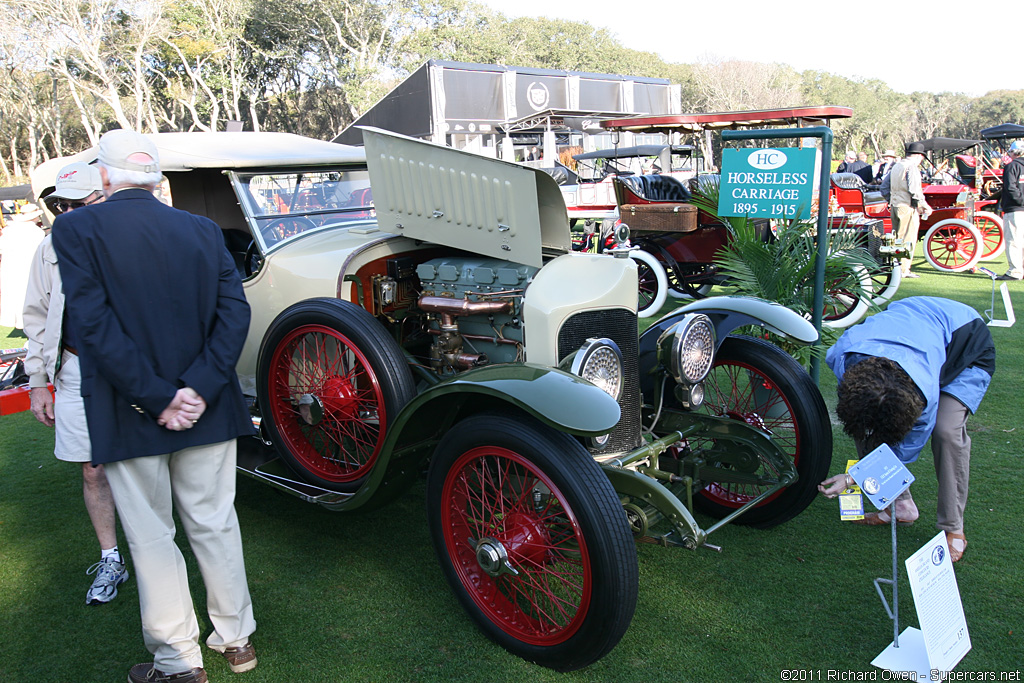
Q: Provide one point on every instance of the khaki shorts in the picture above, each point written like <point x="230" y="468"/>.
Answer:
<point x="72" y="430"/>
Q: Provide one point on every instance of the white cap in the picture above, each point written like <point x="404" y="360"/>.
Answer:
<point x="117" y="146"/>
<point x="77" y="181"/>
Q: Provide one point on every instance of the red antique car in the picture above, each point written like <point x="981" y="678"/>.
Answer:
<point x="962" y="229"/>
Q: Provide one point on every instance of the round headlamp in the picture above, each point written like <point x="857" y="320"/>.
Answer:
<point x="687" y="349"/>
<point x="599" y="361"/>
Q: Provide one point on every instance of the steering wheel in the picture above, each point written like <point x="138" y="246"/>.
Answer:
<point x="252" y="260"/>
<point x="286" y="227"/>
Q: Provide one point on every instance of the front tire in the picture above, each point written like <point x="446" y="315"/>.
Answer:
<point x="760" y="384"/>
<point x="330" y="381"/>
<point x="532" y="539"/>
<point x="953" y="245"/>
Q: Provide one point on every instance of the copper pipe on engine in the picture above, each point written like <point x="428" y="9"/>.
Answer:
<point x="440" y="304"/>
<point x="467" y="361"/>
<point x="479" y="337"/>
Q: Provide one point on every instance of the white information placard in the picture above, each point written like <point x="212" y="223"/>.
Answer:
<point x="937" y="601"/>
<point x="942" y="640"/>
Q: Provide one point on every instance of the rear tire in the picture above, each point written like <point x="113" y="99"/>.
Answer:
<point x="953" y="245"/>
<point x="653" y="283"/>
<point x="845" y="308"/>
<point x="330" y="382"/>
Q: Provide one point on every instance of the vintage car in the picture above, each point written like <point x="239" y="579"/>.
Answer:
<point x="419" y="309"/>
<point x="592" y="198"/>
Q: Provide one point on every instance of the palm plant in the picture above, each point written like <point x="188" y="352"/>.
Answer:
<point x="780" y="266"/>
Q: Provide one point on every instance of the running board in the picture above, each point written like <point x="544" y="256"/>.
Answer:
<point x="274" y="472"/>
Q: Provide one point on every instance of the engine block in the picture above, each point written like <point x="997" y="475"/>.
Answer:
<point x="474" y="310"/>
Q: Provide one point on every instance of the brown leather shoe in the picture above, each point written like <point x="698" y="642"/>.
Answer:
<point x="147" y="673"/>
<point x="242" y="658"/>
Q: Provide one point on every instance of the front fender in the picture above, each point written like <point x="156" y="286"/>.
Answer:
<point x="728" y="313"/>
<point x="558" y="399"/>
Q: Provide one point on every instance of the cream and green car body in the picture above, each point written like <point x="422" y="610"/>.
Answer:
<point x="415" y="306"/>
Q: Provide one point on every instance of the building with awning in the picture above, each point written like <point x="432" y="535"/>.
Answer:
<point x="503" y="111"/>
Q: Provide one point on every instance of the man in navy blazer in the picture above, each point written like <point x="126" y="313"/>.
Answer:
<point x="156" y="312"/>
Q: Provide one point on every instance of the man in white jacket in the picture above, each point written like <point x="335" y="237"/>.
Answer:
<point x="51" y="356"/>
<point x="20" y="238"/>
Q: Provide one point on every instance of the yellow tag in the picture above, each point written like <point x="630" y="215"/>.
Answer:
<point x="851" y="502"/>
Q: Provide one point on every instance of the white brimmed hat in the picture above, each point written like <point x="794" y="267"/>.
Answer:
<point x="889" y="153"/>
<point x="77" y="181"/>
<point x="28" y="212"/>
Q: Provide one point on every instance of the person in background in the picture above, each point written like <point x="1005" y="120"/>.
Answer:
<point x="915" y="371"/>
<point x="1011" y="203"/>
<point x="862" y="168"/>
<point x="158" y="351"/>
<point x="18" y="243"/>
<point x="907" y="204"/>
<point x="888" y="161"/>
<point x="52" y="356"/>
<point x="849" y="160"/>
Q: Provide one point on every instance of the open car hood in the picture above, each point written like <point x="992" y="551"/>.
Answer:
<point x="464" y="200"/>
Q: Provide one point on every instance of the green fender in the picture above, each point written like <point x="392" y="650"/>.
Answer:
<point x="730" y="312"/>
<point x="558" y="399"/>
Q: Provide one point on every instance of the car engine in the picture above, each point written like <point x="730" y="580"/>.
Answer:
<point x="473" y="311"/>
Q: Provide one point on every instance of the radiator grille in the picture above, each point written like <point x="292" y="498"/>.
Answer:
<point x="620" y="326"/>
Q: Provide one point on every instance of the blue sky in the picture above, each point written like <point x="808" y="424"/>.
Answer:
<point x="898" y="41"/>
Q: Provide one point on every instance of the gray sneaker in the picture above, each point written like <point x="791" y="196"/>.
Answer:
<point x="109" y="575"/>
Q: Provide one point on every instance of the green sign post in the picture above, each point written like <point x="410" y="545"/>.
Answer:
<point x="767" y="183"/>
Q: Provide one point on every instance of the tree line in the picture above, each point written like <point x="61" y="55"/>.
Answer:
<point x="70" y="70"/>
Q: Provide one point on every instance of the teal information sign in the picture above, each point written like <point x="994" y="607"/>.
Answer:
<point x="767" y="183"/>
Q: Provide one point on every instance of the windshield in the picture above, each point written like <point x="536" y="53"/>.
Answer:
<point x="598" y="169"/>
<point x="282" y="205"/>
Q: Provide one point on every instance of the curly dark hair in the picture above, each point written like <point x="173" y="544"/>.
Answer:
<point x="878" y="402"/>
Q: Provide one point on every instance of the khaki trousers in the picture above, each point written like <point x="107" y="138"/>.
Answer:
<point x="905" y="222"/>
<point x="201" y="484"/>
<point x="951" y="448"/>
<point x="1013" y="227"/>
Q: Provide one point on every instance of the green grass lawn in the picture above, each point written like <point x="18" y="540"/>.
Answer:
<point x="359" y="597"/>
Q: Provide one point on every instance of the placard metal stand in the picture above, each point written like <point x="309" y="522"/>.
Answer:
<point x="943" y="639"/>
<point x="1007" y="305"/>
<point x="883" y="478"/>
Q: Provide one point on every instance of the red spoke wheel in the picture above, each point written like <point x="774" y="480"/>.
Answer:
<point x="991" y="228"/>
<point x="533" y="540"/>
<point x="953" y="245"/>
<point x="331" y="379"/>
<point x="758" y="383"/>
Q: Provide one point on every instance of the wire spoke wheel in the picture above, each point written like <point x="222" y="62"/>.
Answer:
<point x="330" y="381"/>
<point x="327" y="403"/>
<point x="759" y="384"/>
<point x="532" y="539"/>
<point x="652" y="281"/>
<point x="518" y="544"/>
